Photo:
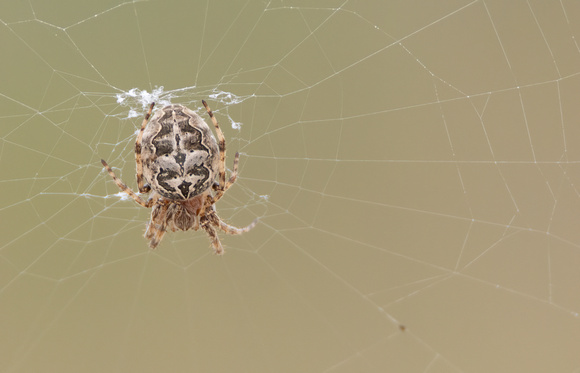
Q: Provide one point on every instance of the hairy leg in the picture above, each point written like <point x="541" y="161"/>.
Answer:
<point x="215" y="241"/>
<point x="230" y="229"/>
<point x="157" y="225"/>
<point x="126" y="189"/>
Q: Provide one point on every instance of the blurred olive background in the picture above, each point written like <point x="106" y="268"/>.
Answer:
<point x="414" y="166"/>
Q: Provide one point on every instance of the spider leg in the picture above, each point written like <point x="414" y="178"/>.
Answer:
<point x="215" y="241"/>
<point x="170" y="218"/>
<point x="229" y="229"/>
<point x="221" y="144"/>
<point x="233" y="176"/>
<point x="157" y="225"/>
<point x="142" y="187"/>
<point x="126" y="189"/>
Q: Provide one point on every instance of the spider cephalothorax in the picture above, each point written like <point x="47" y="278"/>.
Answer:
<point x="180" y="163"/>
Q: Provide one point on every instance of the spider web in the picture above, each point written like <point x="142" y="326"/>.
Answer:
<point x="413" y="164"/>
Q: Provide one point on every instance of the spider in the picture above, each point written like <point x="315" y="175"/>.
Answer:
<point x="179" y="163"/>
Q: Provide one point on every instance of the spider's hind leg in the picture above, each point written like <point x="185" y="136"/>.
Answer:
<point x="143" y="188"/>
<point x="221" y="144"/>
<point x="125" y="188"/>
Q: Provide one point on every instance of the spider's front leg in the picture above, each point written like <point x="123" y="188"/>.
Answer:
<point x="215" y="241"/>
<point x="157" y="225"/>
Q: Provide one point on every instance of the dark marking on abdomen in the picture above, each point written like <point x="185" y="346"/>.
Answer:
<point x="162" y="178"/>
<point x="203" y="174"/>
<point x="184" y="187"/>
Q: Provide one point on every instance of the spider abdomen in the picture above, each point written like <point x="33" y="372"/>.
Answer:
<point x="180" y="154"/>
